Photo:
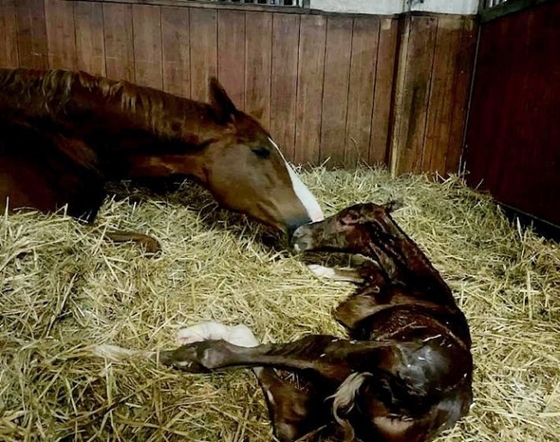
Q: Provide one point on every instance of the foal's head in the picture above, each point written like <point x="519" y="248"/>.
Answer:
<point x="246" y="172"/>
<point x="350" y="230"/>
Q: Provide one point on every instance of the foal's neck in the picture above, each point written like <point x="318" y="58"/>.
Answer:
<point x="404" y="262"/>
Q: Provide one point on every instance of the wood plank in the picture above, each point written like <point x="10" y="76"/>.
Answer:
<point x="383" y="95"/>
<point x="231" y="54"/>
<point x="440" y="111"/>
<point x="204" y="51"/>
<point x="8" y="31"/>
<point x="258" y="66"/>
<point x="462" y="82"/>
<point x="512" y="135"/>
<point x="365" y="41"/>
<point x="176" y="51"/>
<point x="148" y="68"/>
<point x="486" y="98"/>
<point x="507" y="162"/>
<point x="311" y="67"/>
<point x="283" y="94"/>
<point x="540" y="175"/>
<point x="411" y="113"/>
<point x="119" y="44"/>
<point x="32" y="34"/>
<point x="90" y="45"/>
<point x="338" y="51"/>
<point x="61" y="34"/>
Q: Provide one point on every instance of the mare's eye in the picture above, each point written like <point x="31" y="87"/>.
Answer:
<point x="261" y="151"/>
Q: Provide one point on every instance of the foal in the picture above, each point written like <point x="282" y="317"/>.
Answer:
<point x="404" y="374"/>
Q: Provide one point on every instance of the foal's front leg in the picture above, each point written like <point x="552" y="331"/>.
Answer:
<point x="360" y="271"/>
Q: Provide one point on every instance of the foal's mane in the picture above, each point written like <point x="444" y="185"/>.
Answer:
<point x="40" y="92"/>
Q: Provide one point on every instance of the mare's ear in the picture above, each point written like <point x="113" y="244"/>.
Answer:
<point x="221" y="102"/>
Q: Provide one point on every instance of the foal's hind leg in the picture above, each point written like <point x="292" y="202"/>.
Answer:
<point x="294" y="407"/>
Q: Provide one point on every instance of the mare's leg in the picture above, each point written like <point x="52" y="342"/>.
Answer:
<point x="22" y="186"/>
<point x="45" y="171"/>
<point x="148" y="243"/>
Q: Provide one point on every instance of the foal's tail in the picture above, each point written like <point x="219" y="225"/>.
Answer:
<point x="344" y="400"/>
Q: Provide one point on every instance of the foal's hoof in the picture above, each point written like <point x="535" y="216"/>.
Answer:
<point x="187" y="358"/>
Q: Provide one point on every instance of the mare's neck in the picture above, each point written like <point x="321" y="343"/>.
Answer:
<point x="159" y="139"/>
<point x="145" y="132"/>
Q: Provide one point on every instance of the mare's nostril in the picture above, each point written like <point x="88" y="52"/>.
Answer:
<point x="294" y="224"/>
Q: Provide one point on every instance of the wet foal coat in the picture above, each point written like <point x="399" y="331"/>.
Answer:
<point x="64" y="134"/>
<point x="405" y="372"/>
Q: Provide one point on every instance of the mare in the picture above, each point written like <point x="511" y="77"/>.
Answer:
<point x="64" y="134"/>
<point x="404" y="373"/>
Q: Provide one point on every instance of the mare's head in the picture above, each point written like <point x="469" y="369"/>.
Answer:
<point x="246" y="172"/>
<point x="350" y="230"/>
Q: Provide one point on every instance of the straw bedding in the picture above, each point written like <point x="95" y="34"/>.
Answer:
<point x="64" y="289"/>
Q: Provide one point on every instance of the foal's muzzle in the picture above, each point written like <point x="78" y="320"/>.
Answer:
<point x="302" y="240"/>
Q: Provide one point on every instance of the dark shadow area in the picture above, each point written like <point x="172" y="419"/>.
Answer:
<point x="527" y="221"/>
<point x="193" y="196"/>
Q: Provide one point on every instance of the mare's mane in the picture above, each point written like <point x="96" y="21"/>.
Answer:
<point x="54" y="92"/>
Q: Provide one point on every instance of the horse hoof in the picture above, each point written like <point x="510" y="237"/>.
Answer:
<point x="150" y="245"/>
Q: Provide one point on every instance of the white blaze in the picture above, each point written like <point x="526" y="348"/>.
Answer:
<point x="303" y="193"/>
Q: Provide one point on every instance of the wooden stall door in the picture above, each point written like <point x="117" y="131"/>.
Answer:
<point x="340" y="90"/>
<point x="513" y="138"/>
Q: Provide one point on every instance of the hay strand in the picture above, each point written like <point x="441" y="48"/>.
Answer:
<point x="64" y="289"/>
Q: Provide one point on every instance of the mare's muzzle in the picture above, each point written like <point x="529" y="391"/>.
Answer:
<point x="293" y="224"/>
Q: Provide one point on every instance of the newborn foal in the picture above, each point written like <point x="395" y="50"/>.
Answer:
<point x="404" y="375"/>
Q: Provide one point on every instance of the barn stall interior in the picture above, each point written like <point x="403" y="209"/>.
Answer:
<point x="422" y="102"/>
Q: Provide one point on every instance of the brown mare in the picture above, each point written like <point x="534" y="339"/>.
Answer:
<point x="405" y="372"/>
<point x="64" y="134"/>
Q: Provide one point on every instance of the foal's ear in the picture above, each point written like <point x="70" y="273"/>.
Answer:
<point x="221" y="102"/>
<point x="370" y="212"/>
<point x="393" y="205"/>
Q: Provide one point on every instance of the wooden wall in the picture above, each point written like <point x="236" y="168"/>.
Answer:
<point x="513" y="136"/>
<point x="326" y="85"/>
<point x="432" y="85"/>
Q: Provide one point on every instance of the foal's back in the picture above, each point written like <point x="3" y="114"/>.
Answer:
<point x="424" y="383"/>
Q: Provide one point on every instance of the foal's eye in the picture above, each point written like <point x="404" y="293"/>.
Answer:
<point x="348" y="220"/>
<point x="261" y="152"/>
